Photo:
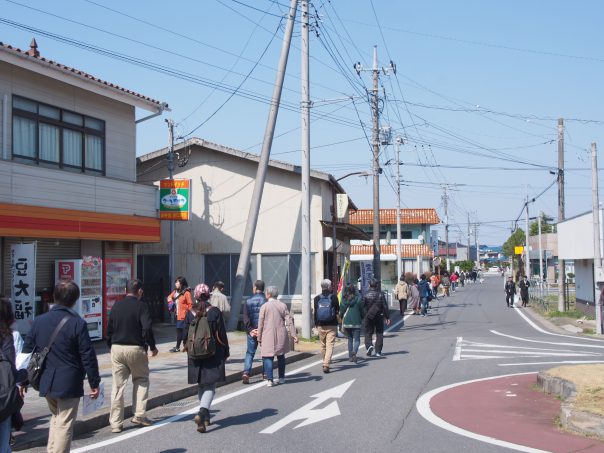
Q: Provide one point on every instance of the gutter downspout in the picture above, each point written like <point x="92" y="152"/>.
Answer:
<point x="5" y="127"/>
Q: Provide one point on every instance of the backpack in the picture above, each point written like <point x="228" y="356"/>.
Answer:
<point x="200" y="342"/>
<point x="326" y="312"/>
<point x="10" y="400"/>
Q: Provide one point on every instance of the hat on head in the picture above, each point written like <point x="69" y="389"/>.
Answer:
<point x="200" y="290"/>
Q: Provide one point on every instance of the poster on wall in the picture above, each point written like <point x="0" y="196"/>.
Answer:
<point x="366" y="275"/>
<point x="174" y="199"/>
<point x="117" y="273"/>
<point x="23" y="284"/>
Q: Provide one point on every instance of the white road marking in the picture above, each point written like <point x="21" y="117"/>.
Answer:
<point x="581" y="345"/>
<point x="423" y="407"/>
<point x="309" y="414"/>
<point x="569" y="362"/>
<point x="457" y="354"/>
<point x="175" y="418"/>
<point x="539" y="329"/>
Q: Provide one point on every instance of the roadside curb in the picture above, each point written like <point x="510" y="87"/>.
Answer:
<point x="102" y="419"/>
<point x="584" y="423"/>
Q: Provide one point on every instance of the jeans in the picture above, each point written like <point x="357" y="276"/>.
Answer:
<point x="5" y="429"/>
<point x="424" y="305"/>
<point x="267" y="362"/>
<point x="206" y="393"/>
<point x="374" y="325"/>
<point x="354" y="340"/>
<point x="252" y="346"/>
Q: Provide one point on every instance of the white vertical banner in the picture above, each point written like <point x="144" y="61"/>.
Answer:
<point x="366" y="275"/>
<point x="341" y="205"/>
<point x="23" y="284"/>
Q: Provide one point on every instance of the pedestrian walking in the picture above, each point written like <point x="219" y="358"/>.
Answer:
<point x="205" y="364"/>
<point x="251" y="313"/>
<point x="462" y="278"/>
<point x="16" y="418"/>
<point x="434" y="284"/>
<point x="524" y="290"/>
<point x="454" y="278"/>
<point x="70" y="360"/>
<point x="445" y="280"/>
<point x="414" y="298"/>
<point x="352" y="319"/>
<point x="326" y="309"/>
<point x="130" y="338"/>
<point x="401" y="292"/>
<point x="510" y="291"/>
<point x="376" y="309"/>
<point x="12" y="400"/>
<point x="180" y="302"/>
<point x="274" y="325"/>
<point x="424" y="294"/>
<point x="220" y="301"/>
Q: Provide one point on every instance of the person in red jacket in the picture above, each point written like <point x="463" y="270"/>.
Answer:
<point x="180" y="302"/>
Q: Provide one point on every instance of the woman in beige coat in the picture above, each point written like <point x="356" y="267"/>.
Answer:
<point x="274" y="322"/>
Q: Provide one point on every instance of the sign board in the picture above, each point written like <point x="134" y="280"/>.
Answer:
<point x="23" y="284"/>
<point x="599" y="274"/>
<point x="174" y="199"/>
<point x="341" y="205"/>
<point x="518" y="250"/>
<point x="366" y="275"/>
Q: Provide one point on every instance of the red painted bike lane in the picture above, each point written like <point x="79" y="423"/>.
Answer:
<point x="509" y="409"/>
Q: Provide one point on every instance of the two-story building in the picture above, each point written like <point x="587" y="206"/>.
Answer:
<point x="416" y="253"/>
<point x="207" y="246"/>
<point x="68" y="178"/>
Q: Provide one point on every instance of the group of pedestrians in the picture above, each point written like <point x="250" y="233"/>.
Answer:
<point x="511" y="291"/>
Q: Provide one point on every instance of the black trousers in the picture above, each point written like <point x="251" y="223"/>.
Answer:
<point x="179" y="336"/>
<point x="403" y="305"/>
<point x="375" y="325"/>
<point x="509" y="299"/>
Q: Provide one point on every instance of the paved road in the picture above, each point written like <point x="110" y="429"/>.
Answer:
<point x="370" y="406"/>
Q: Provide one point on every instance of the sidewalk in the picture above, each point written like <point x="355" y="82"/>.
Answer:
<point x="168" y="382"/>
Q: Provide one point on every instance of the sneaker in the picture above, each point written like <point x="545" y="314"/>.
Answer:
<point x="175" y="349"/>
<point x="245" y="378"/>
<point x="350" y="357"/>
<point x="423" y="315"/>
<point x="369" y="351"/>
<point x="141" y="421"/>
<point x="281" y="380"/>
<point x="379" y="354"/>
<point x="354" y="358"/>
<point x="269" y="383"/>
<point x="117" y="429"/>
<point x="326" y="369"/>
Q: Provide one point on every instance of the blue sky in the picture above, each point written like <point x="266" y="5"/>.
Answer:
<point x="477" y="84"/>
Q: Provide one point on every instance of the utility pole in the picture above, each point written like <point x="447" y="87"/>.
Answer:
<point x="399" y="271"/>
<point x="377" y="271"/>
<point x="170" y="159"/>
<point x="597" y="244"/>
<point x="541" y="279"/>
<point x="305" y="127"/>
<point x="254" y="211"/>
<point x="446" y="203"/>
<point x="469" y="256"/>
<point x="477" y="249"/>
<point x="561" y="264"/>
<point x="527" y="256"/>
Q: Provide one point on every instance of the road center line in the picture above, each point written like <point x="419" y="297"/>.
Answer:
<point x="174" y="418"/>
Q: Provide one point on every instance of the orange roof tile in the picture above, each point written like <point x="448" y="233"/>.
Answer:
<point x="388" y="217"/>
<point x="407" y="250"/>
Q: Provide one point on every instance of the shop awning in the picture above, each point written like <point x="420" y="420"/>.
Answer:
<point x="344" y="231"/>
<point x="40" y="222"/>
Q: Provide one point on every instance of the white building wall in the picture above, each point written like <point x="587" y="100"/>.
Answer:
<point x="576" y="237"/>
<point x="584" y="279"/>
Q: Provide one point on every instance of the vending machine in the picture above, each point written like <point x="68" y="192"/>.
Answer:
<point x="87" y="273"/>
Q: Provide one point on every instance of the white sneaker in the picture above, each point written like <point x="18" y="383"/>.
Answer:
<point x="269" y="383"/>
<point x="282" y="380"/>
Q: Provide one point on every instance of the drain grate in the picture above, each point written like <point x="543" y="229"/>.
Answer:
<point x="181" y="403"/>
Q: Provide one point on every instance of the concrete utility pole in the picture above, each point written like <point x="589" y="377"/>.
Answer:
<point x="399" y="141"/>
<point x="305" y="127"/>
<point x="595" y="199"/>
<point x="446" y="203"/>
<point x="170" y="159"/>
<point x="561" y="264"/>
<point x="469" y="255"/>
<point x="541" y="279"/>
<point x="527" y="256"/>
<point x="377" y="271"/>
<point x="252" y="221"/>
<point x="477" y="249"/>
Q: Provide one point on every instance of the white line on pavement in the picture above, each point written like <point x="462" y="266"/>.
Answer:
<point x="174" y="418"/>
<point x="536" y="327"/>
<point x="582" y="345"/>
<point x="571" y="362"/>
<point x="457" y="354"/>
<point x="423" y="407"/>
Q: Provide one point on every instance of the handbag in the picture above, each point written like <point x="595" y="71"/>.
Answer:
<point x="38" y="359"/>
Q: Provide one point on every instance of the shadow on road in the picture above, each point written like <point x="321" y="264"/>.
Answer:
<point x="243" y="419"/>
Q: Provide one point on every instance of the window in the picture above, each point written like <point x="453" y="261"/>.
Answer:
<point x="406" y="235"/>
<point x="283" y="271"/>
<point x="50" y="135"/>
<point x="223" y="267"/>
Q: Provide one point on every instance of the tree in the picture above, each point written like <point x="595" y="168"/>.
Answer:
<point x="465" y="266"/>
<point x="516" y="239"/>
<point x="546" y="225"/>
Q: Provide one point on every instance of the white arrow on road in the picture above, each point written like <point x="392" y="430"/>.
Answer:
<point x="309" y="414"/>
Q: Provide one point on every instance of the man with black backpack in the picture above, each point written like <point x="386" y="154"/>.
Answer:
<point x="376" y="310"/>
<point x="326" y="308"/>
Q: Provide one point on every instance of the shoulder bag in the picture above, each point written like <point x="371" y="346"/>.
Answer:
<point x="38" y="359"/>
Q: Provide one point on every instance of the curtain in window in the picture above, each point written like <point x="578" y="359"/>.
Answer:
<point x="49" y="143"/>
<point x="72" y="148"/>
<point x="94" y="152"/>
<point x="24" y="137"/>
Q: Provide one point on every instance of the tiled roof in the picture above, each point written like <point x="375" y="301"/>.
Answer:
<point x="388" y="217"/>
<point x="407" y="250"/>
<point x="35" y="55"/>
